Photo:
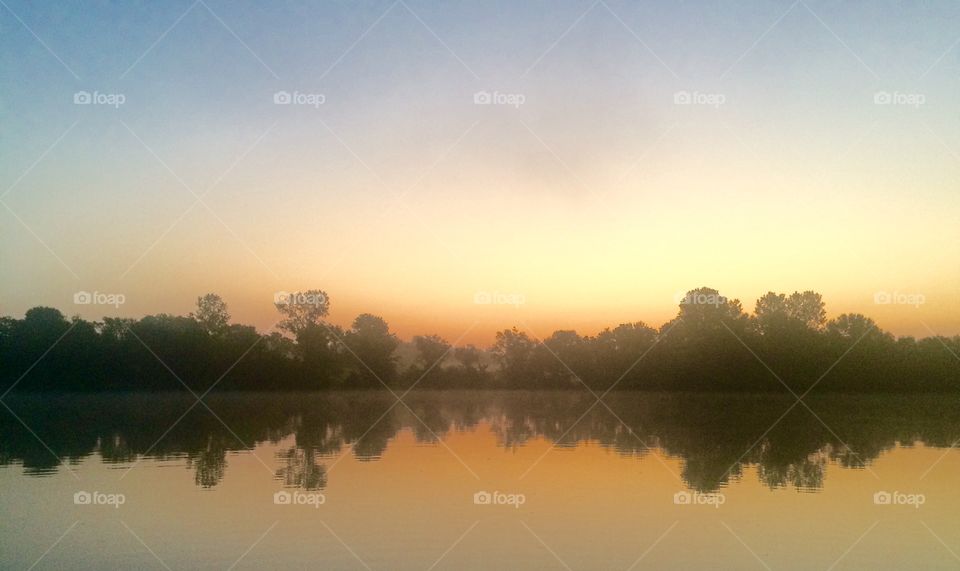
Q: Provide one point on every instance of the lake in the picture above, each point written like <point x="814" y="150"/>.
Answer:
<point x="479" y="480"/>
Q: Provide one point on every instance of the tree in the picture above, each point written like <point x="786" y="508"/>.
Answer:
<point x="469" y="357"/>
<point x="318" y="344"/>
<point x="853" y="326"/>
<point x="372" y="344"/>
<point x="704" y="309"/>
<point x="320" y="350"/>
<point x="771" y="313"/>
<point x="788" y="336"/>
<point x="431" y="350"/>
<point x="707" y="346"/>
<point x="703" y="347"/>
<point x="473" y="371"/>
<point x="212" y="314"/>
<point x="807" y="308"/>
<point x="37" y="335"/>
<point x="45" y="321"/>
<point x="569" y="360"/>
<point x="866" y="354"/>
<point x="777" y="313"/>
<point x="116" y="328"/>
<point x="514" y="351"/>
<point x="301" y="309"/>
<point x="618" y="352"/>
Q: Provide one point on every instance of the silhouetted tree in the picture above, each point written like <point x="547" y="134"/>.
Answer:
<point x="302" y="309"/>
<point x="808" y="308"/>
<point x="777" y="313"/>
<point x="567" y="359"/>
<point x="711" y="345"/>
<point x="372" y="345"/>
<point x="432" y="350"/>
<point x="468" y="356"/>
<point x="212" y="314"/>
<point x="706" y="345"/>
<point x="618" y="352"/>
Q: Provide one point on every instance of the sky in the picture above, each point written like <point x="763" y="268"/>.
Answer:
<point x="576" y="164"/>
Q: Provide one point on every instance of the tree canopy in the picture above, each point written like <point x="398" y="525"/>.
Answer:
<point x="711" y="345"/>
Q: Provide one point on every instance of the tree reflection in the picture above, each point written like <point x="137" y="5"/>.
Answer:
<point x="301" y="470"/>
<point x="716" y="436"/>
<point x="209" y="464"/>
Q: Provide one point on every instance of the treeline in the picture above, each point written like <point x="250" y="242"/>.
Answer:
<point x="711" y="345"/>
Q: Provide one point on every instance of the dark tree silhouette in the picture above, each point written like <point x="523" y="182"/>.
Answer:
<point x="372" y="345"/>
<point x="711" y="345"/>
<point x="212" y="314"/>
<point x="431" y="351"/>
<point x="515" y="352"/>
<point x="302" y="309"/>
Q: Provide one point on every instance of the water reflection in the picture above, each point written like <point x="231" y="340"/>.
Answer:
<point x="715" y="436"/>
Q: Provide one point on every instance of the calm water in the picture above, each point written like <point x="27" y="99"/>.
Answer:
<point x="463" y="480"/>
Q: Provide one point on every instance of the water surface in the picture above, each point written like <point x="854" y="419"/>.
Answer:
<point x="480" y="480"/>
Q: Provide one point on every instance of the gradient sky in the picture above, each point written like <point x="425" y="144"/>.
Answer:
<point x="597" y="200"/>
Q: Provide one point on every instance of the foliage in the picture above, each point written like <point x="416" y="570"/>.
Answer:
<point x="711" y="345"/>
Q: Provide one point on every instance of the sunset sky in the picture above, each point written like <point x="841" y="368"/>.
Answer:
<point x="648" y="150"/>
